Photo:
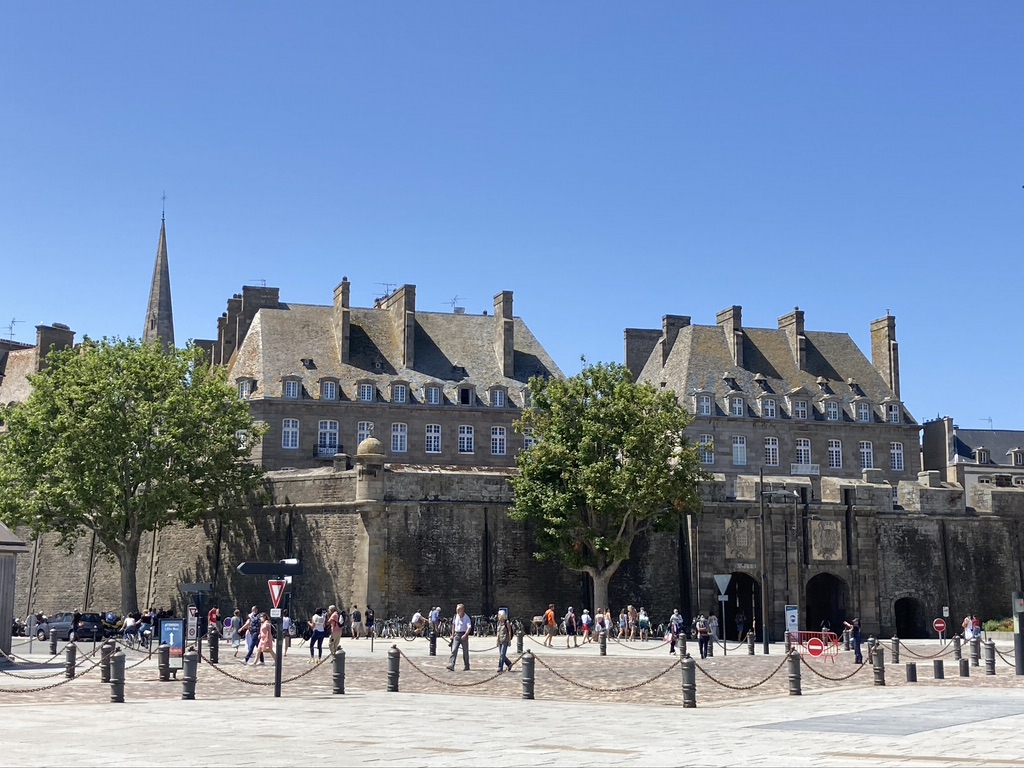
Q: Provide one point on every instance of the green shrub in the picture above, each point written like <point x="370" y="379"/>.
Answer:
<point x="998" y="625"/>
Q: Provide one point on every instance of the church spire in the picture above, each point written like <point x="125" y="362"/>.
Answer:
<point x="159" y="316"/>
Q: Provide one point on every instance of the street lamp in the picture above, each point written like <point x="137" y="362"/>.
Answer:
<point x="771" y="494"/>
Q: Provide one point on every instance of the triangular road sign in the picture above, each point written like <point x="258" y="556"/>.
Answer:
<point x="276" y="590"/>
<point x="722" y="580"/>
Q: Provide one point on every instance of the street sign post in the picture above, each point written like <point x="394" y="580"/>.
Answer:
<point x="281" y="574"/>
<point x="279" y="569"/>
<point x="939" y="625"/>
<point x="192" y="627"/>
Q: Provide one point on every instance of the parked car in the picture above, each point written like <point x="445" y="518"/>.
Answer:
<point x="90" y="626"/>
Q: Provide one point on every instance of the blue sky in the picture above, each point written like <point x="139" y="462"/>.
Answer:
<point x="610" y="163"/>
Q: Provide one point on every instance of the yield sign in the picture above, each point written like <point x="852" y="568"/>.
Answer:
<point x="276" y="590"/>
<point x="722" y="580"/>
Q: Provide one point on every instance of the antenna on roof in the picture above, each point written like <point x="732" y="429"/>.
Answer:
<point x="453" y="303"/>
<point x="163" y="206"/>
<point x="262" y="282"/>
<point x="989" y="420"/>
<point x="388" y="287"/>
<point x="10" y="328"/>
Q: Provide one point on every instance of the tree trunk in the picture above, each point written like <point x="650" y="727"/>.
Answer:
<point x="128" y="560"/>
<point x="601" y="578"/>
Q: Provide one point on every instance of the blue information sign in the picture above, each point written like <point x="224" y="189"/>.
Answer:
<point x="172" y="633"/>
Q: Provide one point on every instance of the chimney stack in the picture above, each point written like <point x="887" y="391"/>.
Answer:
<point x="342" y="318"/>
<point x="885" y="353"/>
<point x="793" y="325"/>
<point x="57" y="336"/>
<point x="731" y="320"/>
<point x="504" y="333"/>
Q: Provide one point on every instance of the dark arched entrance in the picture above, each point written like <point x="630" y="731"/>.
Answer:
<point x="911" y="621"/>
<point x="826" y="600"/>
<point x="744" y="599"/>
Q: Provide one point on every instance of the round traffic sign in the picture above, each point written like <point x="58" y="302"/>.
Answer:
<point x="939" y="625"/>
<point x="815" y="647"/>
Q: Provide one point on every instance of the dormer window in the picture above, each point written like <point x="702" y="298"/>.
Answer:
<point x="466" y="395"/>
<point x="328" y="390"/>
<point x="799" y="409"/>
<point x="768" y="408"/>
<point x="736" y="406"/>
<point x="366" y="393"/>
<point x="982" y="455"/>
<point x="245" y="388"/>
<point x="432" y="394"/>
<point x="291" y="389"/>
<point x="703" y="404"/>
<point x="864" y="412"/>
<point x="497" y="397"/>
<point x="399" y="393"/>
<point x="894" y="413"/>
<point x="1016" y="457"/>
<point x="831" y="410"/>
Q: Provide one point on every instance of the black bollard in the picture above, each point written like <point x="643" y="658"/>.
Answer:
<point x="70" y="655"/>
<point x="117" y="678"/>
<point x="163" y="662"/>
<point x="214" y="640"/>
<point x="190" y="671"/>
<point x="106" y="651"/>
<point x="604" y="643"/>
<point x="711" y="648"/>
<point x="750" y="643"/>
<point x="965" y="667"/>
<point x="433" y="643"/>
<point x="789" y="642"/>
<point x="681" y="646"/>
<point x="895" y="650"/>
<point x="689" y="682"/>
<point x="956" y="648"/>
<point x="53" y="642"/>
<point x="911" y="671"/>
<point x="975" y="651"/>
<point x="878" y="663"/>
<point x="339" y="670"/>
<point x="519" y="641"/>
<point x="937" y="670"/>
<point x="794" y="673"/>
<point x="990" y="657"/>
<point x="394" y="661"/>
<point x="528" y="677"/>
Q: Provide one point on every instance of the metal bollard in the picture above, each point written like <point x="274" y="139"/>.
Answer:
<point x="190" y="670"/>
<point x="789" y="642"/>
<point x="53" y="642"/>
<point x="846" y="640"/>
<point x="339" y="669"/>
<point x="163" y="662"/>
<point x="214" y="640"/>
<point x="689" y="682"/>
<point x="106" y="651"/>
<point x="895" y="650"/>
<point x="975" y="650"/>
<point x="937" y="670"/>
<point x="990" y="657"/>
<point x="711" y="647"/>
<point x="394" y="661"/>
<point x="956" y="648"/>
<point x="750" y="643"/>
<point x="911" y="671"/>
<point x="872" y="642"/>
<point x="117" y="678"/>
<point x="528" y="676"/>
<point x="878" y="663"/>
<point x="433" y="643"/>
<point x="70" y="656"/>
<point x="681" y="646"/>
<point x="519" y="641"/>
<point x="794" y="672"/>
<point x="965" y="667"/>
<point x="604" y="643"/>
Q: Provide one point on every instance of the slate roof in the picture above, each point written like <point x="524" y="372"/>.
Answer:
<point x="700" y="360"/>
<point x="9" y="543"/>
<point x="999" y="442"/>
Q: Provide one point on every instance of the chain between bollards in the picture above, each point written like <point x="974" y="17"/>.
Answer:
<point x="117" y="677"/>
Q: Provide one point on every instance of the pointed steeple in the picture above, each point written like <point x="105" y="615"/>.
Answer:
<point x="159" y="315"/>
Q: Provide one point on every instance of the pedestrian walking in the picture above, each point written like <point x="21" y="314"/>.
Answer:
<point x="504" y="633"/>
<point x="368" y="620"/>
<point x="335" y="627"/>
<point x="316" y="640"/>
<point x="571" y="625"/>
<point x="357" y="623"/>
<point x="462" y="627"/>
<point x="675" y="626"/>
<point x="236" y="630"/>
<point x="251" y="628"/>
<point x="549" y="625"/>
<point x="854" y="628"/>
<point x="288" y="629"/>
<point x="265" y="642"/>
<point x="703" y="635"/>
<point x="741" y="624"/>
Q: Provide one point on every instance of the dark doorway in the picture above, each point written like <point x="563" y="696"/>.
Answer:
<point x="744" y="599"/>
<point x="826" y="601"/>
<point x="911" y="621"/>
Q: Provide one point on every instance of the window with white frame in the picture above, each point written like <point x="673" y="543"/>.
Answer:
<point x="499" y="441"/>
<point x="835" y="454"/>
<point x="528" y="439"/>
<point x="863" y="412"/>
<point x="432" y="395"/>
<point x="768" y="408"/>
<point x="465" y="438"/>
<point x="291" y="389"/>
<point x="399" y="393"/>
<point x="981" y="455"/>
<point x="399" y="437"/>
<point x="736" y="406"/>
<point x="1018" y="458"/>
<point x="739" y="450"/>
<point x="771" y="451"/>
<point x="831" y="410"/>
<point x="896" y="457"/>
<point x="707" y="449"/>
<point x="366" y="393"/>
<point x="364" y="429"/>
<point x="703" y="405"/>
<point x="803" y="450"/>
<point x="893" y="410"/>
<point x="867" y="455"/>
<point x="244" y="388"/>
<point x="328" y="390"/>
<point x="433" y="438"/>
<point x="327" y="438"/>
<point x="290" y="433"/>
<point x="799" y="409"/>
<point x="498" y="398"/>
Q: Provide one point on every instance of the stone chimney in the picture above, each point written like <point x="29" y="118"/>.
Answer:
<point x="57" y="336"/>
<point x="793" y="325"/>
<point x="731" y="321"/>
<point x="342" y="319"/>
<point x="504" y="333"/>
<point x="639" y="343"/>
<point x="885" y="353"/>
<point x="670" y="325"/>
<point x="402" y="306"/>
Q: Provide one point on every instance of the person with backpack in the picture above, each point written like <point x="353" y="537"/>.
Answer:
<point x="357" y="623"/>
<point x="571" y="624"/>
<point x="675" y="627"/>
<point x="335" y="625"/>
<point x="703" y="635"/>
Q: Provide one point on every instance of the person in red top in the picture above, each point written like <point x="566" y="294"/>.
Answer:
<point x="549" y="625"/>
<point x="211" y="620"/>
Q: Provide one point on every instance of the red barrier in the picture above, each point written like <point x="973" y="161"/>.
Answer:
<point x="817" y="644"/>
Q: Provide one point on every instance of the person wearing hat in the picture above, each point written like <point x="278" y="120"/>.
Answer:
<point x="586" y="621"/>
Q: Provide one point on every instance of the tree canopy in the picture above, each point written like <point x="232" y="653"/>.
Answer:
<point x="121" y="438"/>
<point x="610" y="462"/>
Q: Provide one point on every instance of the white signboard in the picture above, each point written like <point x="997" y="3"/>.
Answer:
<point x="192" y="627"/>
<point x="793" y="620"/>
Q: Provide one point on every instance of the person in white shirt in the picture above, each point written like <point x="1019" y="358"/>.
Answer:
<point x="418" y="622"/>
<point x="462" y="627"/>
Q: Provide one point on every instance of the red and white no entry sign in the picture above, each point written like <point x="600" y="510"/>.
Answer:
<point x="815" y="647"/>
<point x="939" y="625"/>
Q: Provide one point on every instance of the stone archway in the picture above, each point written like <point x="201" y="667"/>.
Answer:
<point x="911" y="619"/>
<point x="827" y="596"/>
<point x="744" y="595"/>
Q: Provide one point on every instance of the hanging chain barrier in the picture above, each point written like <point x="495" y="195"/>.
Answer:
<point x="1012" y="661"/>
<point x="260" y="683"/>
<point x="860" y="668"/>
<point x="657" y="647"/>
<point x="774" y="672"/>
<point x="945" y="650"/>
<point x="447" y="684"/>
<point x="52" y="685"/>
<point x="541" y="642"/>
<point x="595" y="689"/>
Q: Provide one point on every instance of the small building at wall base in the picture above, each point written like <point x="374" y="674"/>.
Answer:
<point x="10" y="547"/>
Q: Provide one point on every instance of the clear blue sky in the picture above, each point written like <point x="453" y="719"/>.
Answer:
<point x="608" y="162"/>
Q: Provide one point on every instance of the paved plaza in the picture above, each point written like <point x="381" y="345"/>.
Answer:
<point x="624" y="708"/>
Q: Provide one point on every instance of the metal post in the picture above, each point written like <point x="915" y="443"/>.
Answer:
<point x="163" y="662"/>
<point x="794" y="672"/>
<point x="214" y="640"/>
<point x="789" y="642"/>
<point x="70" y="655"/>
<point x="394" y="661"/>
<point x="878" y="661"/>
<point x="1018" y="639"/>
<point x="528" y="676"/>
<point x="53" y="642"/>
<point x="965" y="667"/>
<point x="106" y="651"/>
<point x="990" y="657"/>
<point x="711" y="646"/>
<point x="339" y="671"/>
<point x="847" y="640"/>
<point x="190" y="671"/>
<point x="957" y="653"/>
<point x="433" y="643"/>
<point x="604" y="642"/>
<point x="975" y="651"/>
<point x="764" y="569"/>
<point x="689" y="682"/>
<point x="937" y="670"/>
<point x="895" y="650"/>
<point x="911" y="671"/>
<point x="519" y="641"/>
<point x="750" y="643"/>
<point x="117" y="678"/>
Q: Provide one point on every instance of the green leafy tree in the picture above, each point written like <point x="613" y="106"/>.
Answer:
<point x="121" y="438"/>
<point x="610" y="463"/>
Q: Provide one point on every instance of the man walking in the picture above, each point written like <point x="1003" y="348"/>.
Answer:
<point x="334" y="624"/>
<point x="549" y="625"/>
<point x="357" y="623"/>
<point x="461" y="629"/>
<point x="252" y="633"/>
